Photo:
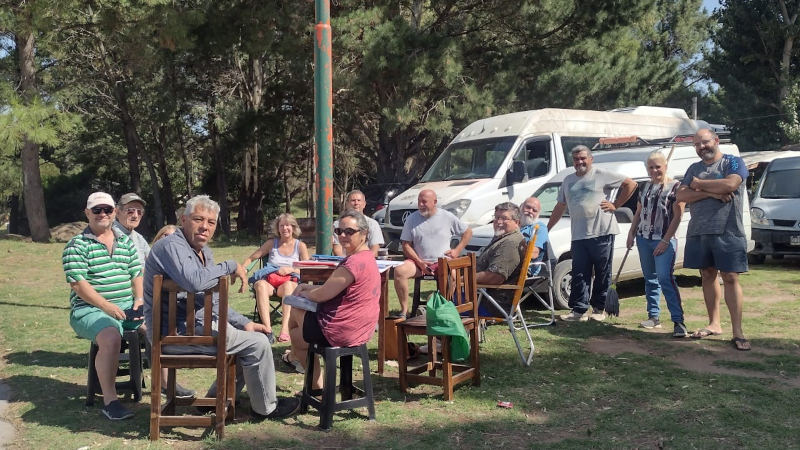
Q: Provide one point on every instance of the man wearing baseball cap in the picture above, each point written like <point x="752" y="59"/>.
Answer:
<point x="104" y="272"/>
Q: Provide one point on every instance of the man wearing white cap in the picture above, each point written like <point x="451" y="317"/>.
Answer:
<point x="130" y="211"/>
<point x="104" y="272"/>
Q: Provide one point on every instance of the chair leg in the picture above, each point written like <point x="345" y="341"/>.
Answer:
<point x="308" y="379"/>
<point x="155" y="398"/>
<point x="475" y="360"/>
<point x="402" y="358"/>
<point x="328" y="391"/>
<point x="230" y="391"/>
<point x="447" y="368"/>
<point x="135" y="364"/>
<point x="433" y="357"/>
<point x="367" y="381"/>
<point x="171" y="377"/>
<point x="221" y="400"/>
<point x="92" y="380"/>
<point x="346" y="377"/>
<point x="416" y="298"/>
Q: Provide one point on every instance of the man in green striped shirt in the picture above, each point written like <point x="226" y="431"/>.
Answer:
<point x="103" y="270"/>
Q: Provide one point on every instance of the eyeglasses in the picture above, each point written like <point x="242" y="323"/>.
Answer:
<point x="347" y="231"/>
<point x="102" y="209"/>
<point x="502" y="219"/>
<point x="132" y="211"/>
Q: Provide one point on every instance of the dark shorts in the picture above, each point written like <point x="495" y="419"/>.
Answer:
<point x="725" y="252"/>
<point x="312" y="333"/>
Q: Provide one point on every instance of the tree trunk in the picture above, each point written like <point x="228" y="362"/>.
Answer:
<point x="187" y="157"/>
<point x="166" y="181"/>
<point x="158" y="220"/>
<point x="132" y="141"/>
<point x="32" y="190"/>
<point x="221" y="179"/>
<point x="251" y="194"/>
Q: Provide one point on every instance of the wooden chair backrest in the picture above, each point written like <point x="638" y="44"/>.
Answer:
<point x="456" y="279"/>
<point x="205" y="336"/>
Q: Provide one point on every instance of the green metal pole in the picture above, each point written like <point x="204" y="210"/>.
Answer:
<point x="323" y="125"/>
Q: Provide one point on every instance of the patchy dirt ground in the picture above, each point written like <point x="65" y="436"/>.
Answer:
<point x="697" y="355"/>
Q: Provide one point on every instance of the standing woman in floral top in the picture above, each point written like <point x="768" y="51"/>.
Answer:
<point x="657" y="218"/>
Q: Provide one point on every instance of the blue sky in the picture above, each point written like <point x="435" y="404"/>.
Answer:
<point x="710" y="4"/>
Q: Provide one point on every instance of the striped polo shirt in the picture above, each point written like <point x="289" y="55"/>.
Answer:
<point x="86" y="258"/>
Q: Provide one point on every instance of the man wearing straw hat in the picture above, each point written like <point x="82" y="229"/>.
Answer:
<point x="593" y="226"/>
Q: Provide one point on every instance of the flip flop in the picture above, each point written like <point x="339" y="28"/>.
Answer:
<point x="294" y="365"/>
<point x="704" y="332"/>
<point x="284" y="337"/>
<point x="741" y="344"/>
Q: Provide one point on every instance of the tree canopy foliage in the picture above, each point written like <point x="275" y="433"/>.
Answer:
<point x="172" y="98"/>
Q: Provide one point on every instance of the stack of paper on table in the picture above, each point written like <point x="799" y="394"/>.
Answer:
<point x="295" y="301"/>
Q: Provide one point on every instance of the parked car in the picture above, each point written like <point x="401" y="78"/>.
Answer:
<point x="775" y="211"/>
<point x="378" y="195"/>
<point x="632" y="163"/>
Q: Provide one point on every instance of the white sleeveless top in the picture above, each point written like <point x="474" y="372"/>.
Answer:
<point x="279" y="260"/>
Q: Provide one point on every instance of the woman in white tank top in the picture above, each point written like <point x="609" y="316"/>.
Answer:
<point x="283" y="250"/>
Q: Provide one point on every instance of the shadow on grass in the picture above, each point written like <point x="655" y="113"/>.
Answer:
<point x="28" y="305"/>
<point x="49" y="359"/>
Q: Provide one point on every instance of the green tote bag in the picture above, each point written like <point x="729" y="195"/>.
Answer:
<point x="443" y="319"/>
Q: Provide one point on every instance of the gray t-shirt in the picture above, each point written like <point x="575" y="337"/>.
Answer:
<point x="142" y="247"/>
<point x="431" y="236"/>
<point x="375" y="234"/>
<point x="583" y="196"/>
<point x="712" y="216"/>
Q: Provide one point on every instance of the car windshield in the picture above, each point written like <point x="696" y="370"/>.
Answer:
<point x="471" y="159"/>
<point x="781" y="184"/>
<point x="548" y="197"/>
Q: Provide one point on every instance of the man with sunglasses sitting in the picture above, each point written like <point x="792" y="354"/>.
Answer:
<point x="104" y="272"/>
<point x="130" y="212"/>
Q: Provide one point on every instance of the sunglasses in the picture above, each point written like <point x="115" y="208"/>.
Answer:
<point x="102" y="209"/>
<point x="132" y="211"/>
<point x="347" y="231"/>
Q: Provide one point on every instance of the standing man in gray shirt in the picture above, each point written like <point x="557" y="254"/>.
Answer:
<point x="586" y="193"/>
<point x="184" y="257"/>
<point x="425" y="238"/>
<point x="716" y="241"/>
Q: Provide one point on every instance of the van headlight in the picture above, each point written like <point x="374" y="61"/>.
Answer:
<point x="758" y="217"/>
<point x="458" y="207"/>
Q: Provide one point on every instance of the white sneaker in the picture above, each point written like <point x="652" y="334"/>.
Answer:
<point x="574" y="317"/>
<point x="598" y="315"/>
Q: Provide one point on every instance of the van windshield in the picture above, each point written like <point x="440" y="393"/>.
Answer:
<point x="470" y="159"/>
<point x="781" y="184"/>
<point x="548" y="197"/>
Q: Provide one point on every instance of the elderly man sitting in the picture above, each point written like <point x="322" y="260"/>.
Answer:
<point x="500" y="260"/>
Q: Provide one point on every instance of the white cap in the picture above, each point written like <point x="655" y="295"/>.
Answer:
<point x="99" y="198"/>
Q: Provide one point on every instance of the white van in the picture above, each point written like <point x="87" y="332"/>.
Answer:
<point x="631" y="162"/>
<point x="775" y="211"/>
<point x="508" y="157"/>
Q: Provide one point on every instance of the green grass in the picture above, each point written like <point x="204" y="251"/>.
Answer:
<point x="609" y="385"/>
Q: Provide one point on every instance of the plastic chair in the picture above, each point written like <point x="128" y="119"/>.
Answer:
<point x="515" y="312"/>
<point x="130" y="352"/>
<point x="328" y="404"/>
<point x="464" y="286"/>
<point x="225" y="365"/>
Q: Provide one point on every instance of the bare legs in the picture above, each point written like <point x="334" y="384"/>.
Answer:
<point x="107" y="361"/>
<point x="734" y="299"/>
<point x="299" y="347"/>
<point x="283" y="290"/>
<point x="263" y="292"/>
<point x="402" y="274"/>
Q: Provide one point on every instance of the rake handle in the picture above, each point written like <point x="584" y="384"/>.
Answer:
<point x="619" y="271"/>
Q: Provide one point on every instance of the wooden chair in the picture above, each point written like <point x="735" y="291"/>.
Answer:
<point x="509" y="316"/>
<point x="224" y="403"/>
<point x="462" y="289"/>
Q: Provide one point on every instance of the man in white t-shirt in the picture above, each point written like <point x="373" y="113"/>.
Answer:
<point x="426" y="238"/>
<point x="356" y="201"/>
<point x="586" y="193"/>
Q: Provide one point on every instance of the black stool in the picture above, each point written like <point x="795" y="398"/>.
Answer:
<point x="329" y="405"/>
<point x="417" y="292"/>
<point x="132" y="341"/>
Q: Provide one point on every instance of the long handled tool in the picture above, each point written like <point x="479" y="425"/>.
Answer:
<point x="612" y="300"/>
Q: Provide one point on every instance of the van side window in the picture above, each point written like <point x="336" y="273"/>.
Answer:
<point x="536" y="155"/>
<point x="569" y="142"/>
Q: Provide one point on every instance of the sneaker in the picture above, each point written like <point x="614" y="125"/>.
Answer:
<point x="180" y="391"/>
<point x="650" y="323"/>
<point x="115" y="411"/>
<point x="598" y="315"/>
<point x="287" y="406"/>
<point x="680" y="330"/>
<point x="574" y="316"/>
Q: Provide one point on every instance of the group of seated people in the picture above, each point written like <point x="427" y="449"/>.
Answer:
<point x="111" y="270"/>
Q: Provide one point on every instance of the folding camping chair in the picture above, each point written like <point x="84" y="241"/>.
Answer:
<point x="275" y="302"/>
<point x="533" y="286"/>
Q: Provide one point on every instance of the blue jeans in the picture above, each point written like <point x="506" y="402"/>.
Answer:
<point x="659" y="277"/>
<point x="593" y="254"/>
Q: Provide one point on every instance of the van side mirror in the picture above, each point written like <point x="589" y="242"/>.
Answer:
<point x="624" y="215"/>
<point x="517" y="172"/>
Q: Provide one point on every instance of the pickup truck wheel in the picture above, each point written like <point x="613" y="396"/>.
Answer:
<point x="756" y="259"/>
<point x="562" y="279"/>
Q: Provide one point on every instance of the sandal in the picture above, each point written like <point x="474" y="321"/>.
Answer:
<point x="704" y="332"/>
<point x="284" y="337"/>
<point x="294" y="365"/>
<point x="741" y="344"/>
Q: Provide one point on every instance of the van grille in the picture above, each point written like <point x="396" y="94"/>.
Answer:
<point x="396" y="216"/>
<point x="784" y="222"/>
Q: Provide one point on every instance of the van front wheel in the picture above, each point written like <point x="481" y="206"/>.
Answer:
<point x="562" y="280"/>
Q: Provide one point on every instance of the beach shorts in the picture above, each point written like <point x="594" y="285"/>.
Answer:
<point x="725" y="252"/>
<point x="88" y="321"/>
<point x="276" y="280"/>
